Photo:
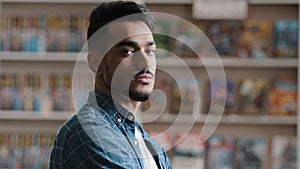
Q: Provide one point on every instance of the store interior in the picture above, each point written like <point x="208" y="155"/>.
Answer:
<point x="226" y="83"/>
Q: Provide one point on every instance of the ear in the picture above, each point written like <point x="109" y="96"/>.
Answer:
<point x="93" y="61"/>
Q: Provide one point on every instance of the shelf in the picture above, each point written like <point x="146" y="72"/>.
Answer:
<point x="148" y="1"/>
<point x="167" y="118"/>
<point x="256" y="119"/>
<point x="38" y="56"/>
<point x="231" y="62"/>
<point x="34" y="116"/>
<point x="194" y="62"/>
<point x="225" y="119"/>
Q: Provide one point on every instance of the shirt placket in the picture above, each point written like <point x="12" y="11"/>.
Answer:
<point x="128" y="129"/>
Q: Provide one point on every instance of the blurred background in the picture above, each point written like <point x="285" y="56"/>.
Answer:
<point x="254" y="109"/>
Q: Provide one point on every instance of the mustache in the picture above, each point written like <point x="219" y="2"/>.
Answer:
<point x="144" y="72"/>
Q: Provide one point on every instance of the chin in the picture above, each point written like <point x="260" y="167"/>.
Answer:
<point x="139" y="96"/>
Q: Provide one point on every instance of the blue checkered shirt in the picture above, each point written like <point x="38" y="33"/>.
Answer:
<point x="101" y="135"/>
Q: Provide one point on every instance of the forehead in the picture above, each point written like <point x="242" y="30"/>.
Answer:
<point x="128" y="30"/>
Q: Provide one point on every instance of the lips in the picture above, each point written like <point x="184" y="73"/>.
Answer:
<point x="144" y="78"/>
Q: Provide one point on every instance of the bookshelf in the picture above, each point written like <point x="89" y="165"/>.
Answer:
<point x="38" y="56"/>
<point x="63" y="62"/>
<point x="229" y="61"/>
<point x="229" y="119"/>
<point x="35" y="116"/>
<point x="151" y="1"/>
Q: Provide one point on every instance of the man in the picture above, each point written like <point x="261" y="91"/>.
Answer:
<point x="104" y="132"/>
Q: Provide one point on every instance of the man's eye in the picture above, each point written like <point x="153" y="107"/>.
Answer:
<point x="150" y="51"/>
<point x="127" y="52"/>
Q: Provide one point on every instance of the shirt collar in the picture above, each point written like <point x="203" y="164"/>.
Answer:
<point x="113" y="109"/>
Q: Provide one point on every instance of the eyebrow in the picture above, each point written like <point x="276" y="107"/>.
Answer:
<point x="133" y="44"/>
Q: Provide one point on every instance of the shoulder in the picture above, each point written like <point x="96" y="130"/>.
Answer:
<point x="87" y="118"/>
<point x="90" y="138"/>
<point x="90" y="129"/>
<point x="72" y="131"/>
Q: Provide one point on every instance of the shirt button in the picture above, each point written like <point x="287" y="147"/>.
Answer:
<point x="135" y="143"/>
<point x="130" y="117"/>
<point x="119" y="120"/>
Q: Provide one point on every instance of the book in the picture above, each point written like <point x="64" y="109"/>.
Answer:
<point x="17" y="151"/>
<point x="283" y="97"/>
<point x="253" y="96"/>
<point x="286" y="38"/>
<point x="190" y="41"/>
<point x="255" y="39"/>
<point x="220" y="152"/>
<point x="42" y="33"/>
<point x="251" y="152"/>
<point x="183" y="96"/>
<point x="25" y="150"/>
<point x="189" y="151"/>
<point x="284" y="152"/>
<point x="224" y="36"/>
<point x="4" y="151"/>
<point x="220" y="96"/>
<point x="35" y="92"/>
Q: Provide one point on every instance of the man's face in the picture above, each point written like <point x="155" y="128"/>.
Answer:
<point x="129" y="66"/>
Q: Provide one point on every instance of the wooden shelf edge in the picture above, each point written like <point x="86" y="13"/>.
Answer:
<point x="35" y="116"/>
<point x="166" y="118"/>
<point x="225" y="119"/>
<point x="230" y="62"/>
<point x="226" y="61"/>
<point x="147" y="1"/>
<point x="41" y="56"/>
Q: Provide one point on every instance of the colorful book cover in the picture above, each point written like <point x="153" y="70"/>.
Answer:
<point x="46" y="142"/>
<point x="284" y="152"/>
<point x="183" y="97"/>
<point x="285" y="38"/>
<point x="16" y="34"/>
<point x="4" y="33"/>
<point x="17" y="152"/>
<point x="190" y="41"/>
<point x="283" y="97"/>
<point x="35" y="92"/>
<point x="32" y="157"/>
<point x="220" y="152"/>
<point x="220" y="96"/>
<point x="251" y="153"/>
<point x="253" y="96"/>
<point x="255" y="39"/>
<point x="4" y="92"/>
<point x="42" y="33"/>
<point x="4" y="151"/>
<point x="224" y="36"/>
<point x="189" y="151"/>
<point x="16" y="97"/>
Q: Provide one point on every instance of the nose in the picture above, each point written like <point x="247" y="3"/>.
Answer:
<point x="143" y="61"/>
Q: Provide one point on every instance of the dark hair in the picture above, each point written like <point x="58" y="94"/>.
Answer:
<point x="110" y="11"/>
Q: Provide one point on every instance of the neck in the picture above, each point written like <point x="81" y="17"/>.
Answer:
<point x="126" y="102"/>
<point x="118" y="97"/>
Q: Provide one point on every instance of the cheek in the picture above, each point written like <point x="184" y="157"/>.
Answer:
<point x="107" y="73"/>
<point x="120" y="75"/>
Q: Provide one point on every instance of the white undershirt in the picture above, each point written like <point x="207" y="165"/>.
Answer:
<point x="148" y="160"/>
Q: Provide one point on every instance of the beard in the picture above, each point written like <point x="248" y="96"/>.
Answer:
<point x="138" y="96"/>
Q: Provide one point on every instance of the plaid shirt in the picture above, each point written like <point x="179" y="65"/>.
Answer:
<point x="101" y="135"/>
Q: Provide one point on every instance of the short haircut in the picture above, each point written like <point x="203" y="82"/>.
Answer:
<point x="107" y="12"/>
